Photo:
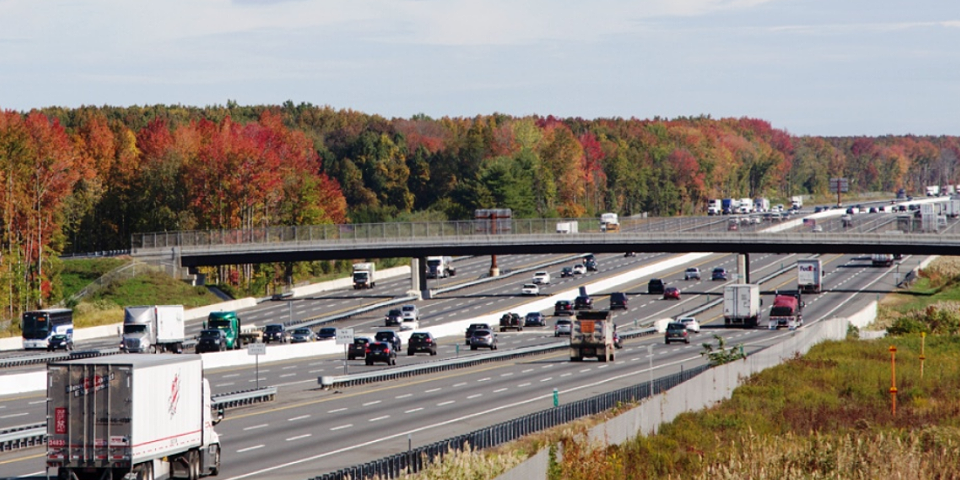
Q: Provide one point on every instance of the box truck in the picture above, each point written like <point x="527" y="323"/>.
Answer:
<point x="364" y="275"/>
<point x="147" y="416"/>
<point x="715" y="207"/>
<point x="741" y="305"/>
<point x="153" y="329"/>
<point x="809" y="275"/>
<point x="568" y="227"/>
<point x="609" y="222"/>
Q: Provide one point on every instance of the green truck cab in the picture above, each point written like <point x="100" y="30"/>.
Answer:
<point x="229" y="322"/>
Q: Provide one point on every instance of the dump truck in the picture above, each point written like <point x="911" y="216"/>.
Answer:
<point x="364" y="275"/>
<point x="741" y="305"/>
<point x="809" y="275"/>
<point x="609" y="222"/>
<point x="592" y="336"/>
<point x="147" y="416"/>
<point x="787" y="310"/>
<point x="153" y="329"/>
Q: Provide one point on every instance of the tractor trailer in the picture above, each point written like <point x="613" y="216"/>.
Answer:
<point x="153" y="329"/>
<point x="809" y="275"/>
<point x="741" y="305"/>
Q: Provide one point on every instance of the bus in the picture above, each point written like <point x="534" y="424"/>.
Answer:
<point x="40" y="325"/>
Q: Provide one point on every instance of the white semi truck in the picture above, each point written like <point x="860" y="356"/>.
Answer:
<point x="153" y="329"/>
<point x="148" y="416"/>
<point x="741" y="305"/>
<point x="609" y="222"/>
<point x="440" y="267"/>
<point x="364" y="275"/>
<point x="809" y="275"/>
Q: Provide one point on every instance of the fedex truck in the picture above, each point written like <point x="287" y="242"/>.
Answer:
<point x="809" y="275"/>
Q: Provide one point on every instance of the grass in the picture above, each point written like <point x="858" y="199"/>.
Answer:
<point x="79" y="273"/>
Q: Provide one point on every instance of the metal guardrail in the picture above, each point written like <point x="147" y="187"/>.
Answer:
<point x="56" y="357"/>
<point x="454" y="363"/>
<point x="35" y="435"/>
<point x="414" y="460"/>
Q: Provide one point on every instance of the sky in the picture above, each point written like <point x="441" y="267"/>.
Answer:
<point x="810" y="67"/>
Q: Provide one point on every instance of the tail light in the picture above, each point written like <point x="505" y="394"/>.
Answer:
<point x="366" y="350"/>
<point x="386" y="350"/>
<point x="428" y="341"/>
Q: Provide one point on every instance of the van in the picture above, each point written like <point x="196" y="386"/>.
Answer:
<point x="618" y="300"/>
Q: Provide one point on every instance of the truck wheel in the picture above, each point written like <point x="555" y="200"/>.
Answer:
<point x="215" y="468"/>
<point x="612" y="356"/>
<point x="393" y="361"/>
<point x="409" y="353"/>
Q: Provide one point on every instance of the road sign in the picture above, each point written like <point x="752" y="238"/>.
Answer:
<point x="839" y="185"/>
<point x="344" y="336"/>
<point x="256" y="348"/>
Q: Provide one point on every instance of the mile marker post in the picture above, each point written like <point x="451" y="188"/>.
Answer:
<point x="893" y="379"/>
<point x="923" y="341"/>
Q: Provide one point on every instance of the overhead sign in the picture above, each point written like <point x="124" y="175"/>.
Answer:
<point x="256" y="348"/>
<point x="344" y="336"/>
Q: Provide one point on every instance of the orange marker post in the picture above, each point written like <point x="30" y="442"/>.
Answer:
<point x="923" y="342"/>
<point x="893" y="378"/>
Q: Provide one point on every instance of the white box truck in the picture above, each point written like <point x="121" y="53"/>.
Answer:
<point x="609" y="222"/>
<point x="145" y="415"/>
<point x="796" y="203"/>
<point x="153" y="329"/>
<point x="741" y="305"/>
<point x="809" y="275"/>
<point x="715" y="207"/>
<point x="440" y="267"/>
<point x="568" y="227"/>
<point x="364" y="275"/>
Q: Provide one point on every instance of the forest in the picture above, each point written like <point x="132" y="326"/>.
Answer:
<point x="84" y="179"/>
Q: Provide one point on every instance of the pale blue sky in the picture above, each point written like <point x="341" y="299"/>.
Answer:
<point x="818" y="67"/>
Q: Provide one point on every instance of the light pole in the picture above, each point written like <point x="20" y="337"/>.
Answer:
<point x="897" y="276"/>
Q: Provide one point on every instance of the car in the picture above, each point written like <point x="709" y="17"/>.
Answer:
<point x="409" y="324"/>
<point x="529" y="289"/>
<point x="591" y="265"/>
<point x="380" y="352"/>
<point x="483" y="339"/>
<point x="389" y="336"/>
<point x="671" y="293"/>
<point x="819" y="209"/>
<point x="534" y="319"/>
<point x="563" y="327"/>
<point x="421" y="342"/>
<point x="281" y="296"/>
<point x="302" y="335"/>
<point x="873" y="210"/>
<point x="476" y="326"/>
<point x="579" y="269"/>
<point x="211" y="340"/>
<point x="541" y="278"/>
<point x="691" y="323"/>
<point x="563" y="307"/>
<point x="676" y="332"/>
<point x="618" y="300"/>
<point x="275" y="332"/>
<point x="583" y="302"/>
<point x="817" y="228"/>
<point x="589" y="257"/>
<point x="630" y="254"/>
<point x="410" y="311"/>
<point x="327" y="333"/>
<point x="719" y="273"/>
<point x="393" y="318"/>
<point x="358" y="349"/>
<point x="566" y="272"/>
<point x="655" y="285"/>
<point x="60" y="341"/>
<point x="692" y="273"/>
<point x="777" y="208"/>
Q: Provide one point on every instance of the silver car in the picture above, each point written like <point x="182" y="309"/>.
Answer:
<point x="562" y="327"/>
<point x="483" y="339"/>
<point x="303" y="335"/>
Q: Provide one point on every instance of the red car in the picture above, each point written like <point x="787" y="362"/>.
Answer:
<point x="671" y="293"/>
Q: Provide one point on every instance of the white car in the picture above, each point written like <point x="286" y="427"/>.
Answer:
<point x="530" y="289"/>
<point x="579" y="269"/>
<point x="409" y="324"/>
<point x="692" y="273"/>
<point x="541" y="278"/>
<point x="691" y="324"/>
<point x="410" y="312"/>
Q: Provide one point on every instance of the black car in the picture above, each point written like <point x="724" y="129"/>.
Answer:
<point x="535" y="319"/>
<point x="275" y="332"/>
<point x="591" y="265"/>
<point x="389" y="336"/>
<point x="327" y="333"/>
<point x="394" y="318"/>
<point x="60" y="342"/>
<point x="719" y="273"/>
<point x="583" y="302"/>
<point x="566" y="272"/>
<point x="618" y="300"/>
<point x="655" y="285"/>
<point x="563" y="307"/>
<point x="473" y="327"/>
<point x="380" y="352"/>
<point x="421" y="342"/>
<point x="358" y="349"/>
<point x="211" y="340"/>
<point x="630" y="254"/>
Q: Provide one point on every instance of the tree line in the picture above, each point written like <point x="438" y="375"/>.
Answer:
<point x="85" y="179"/>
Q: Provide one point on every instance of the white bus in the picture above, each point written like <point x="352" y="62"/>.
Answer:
<point x="40" y="326"/>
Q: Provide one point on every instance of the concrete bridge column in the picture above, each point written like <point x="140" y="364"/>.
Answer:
<point x="418" y="278"/>
<point x="743" y="267"/>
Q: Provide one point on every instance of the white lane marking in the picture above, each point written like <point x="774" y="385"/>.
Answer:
<point x="527" y="370"/>
<point x="506" y="374"/>
<point x="38" y="402"/>
<point x="481" y="380"/>
<point x="315" y="371"/>
<point x="546" y="379"/>
<point x="414" y="410"/>
<point x="524" y="384"/>
<point x="249" y="448"/>
<point x="566" y="375"/>
<point x="231" y="375"/>
<point x="15" y="415"/>
<point x="223" y="384"/>
<point x="459" y="384"/>
<point x="448" y="402"/>
<point x="475" y="396"/>
<point x="371" y="403"/>
<point x="337" y="410"/>
<point x="500" y="390"/>
<point x="291" y="366"/>
<point x="378" y="418"/>
<point x="262" y="425"/>
<point x="298" y="437"/>
<point x="547" y="366"/>
<point x="602" y="366"/>
<point x="301" y="417"/>
<point x="341" y="427"/>
<point x="585" y="370"/>
<point x="288" y="375"/>
<point x="404" y="395"/>
<point x="431" y="390"/>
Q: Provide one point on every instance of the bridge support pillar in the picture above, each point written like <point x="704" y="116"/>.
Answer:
<point x="418" y="278"/>
<point x="494" y="269"/>
<point x="743" y="267"/>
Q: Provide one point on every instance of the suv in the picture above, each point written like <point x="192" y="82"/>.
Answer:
<point x="591" y="265"/>
<point x="327" y="333"/>
<point x="719" y="273"/>
<point x="583" y="302"/>
<point x="483" y="339"/>
<point x="380" y="352"/>
<point x="655" y="285"/>
<point x="421" y="342"/>
<point x="618" y="300"/>
<point x="534" y="319"/>
<point x="676" y="332"/>
<point x="358" y="349"/>
<point x="475" y="326"/>
<point x="410" y="311"/>
<point x="211" y="340"/>
<point x="692" y="273"/>
<point x="394" y="317"/>
<point x="562" y="327"/>
<point x="566" y="272"/>
<point x="563" y="307"/>
<point x="389" y="336"/>
<point x="541" y="278"/>
<point x="275" y="332"/>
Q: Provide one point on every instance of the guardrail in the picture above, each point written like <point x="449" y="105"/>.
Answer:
<point x="414" y="460"/>
<point x="454" y="363"/>
<point x="34" y="435"/>
<point x="55" y="357"/>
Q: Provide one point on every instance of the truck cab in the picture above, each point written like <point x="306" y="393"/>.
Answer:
<point x="229" y="323"/>
<point x="787" y="311"/>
